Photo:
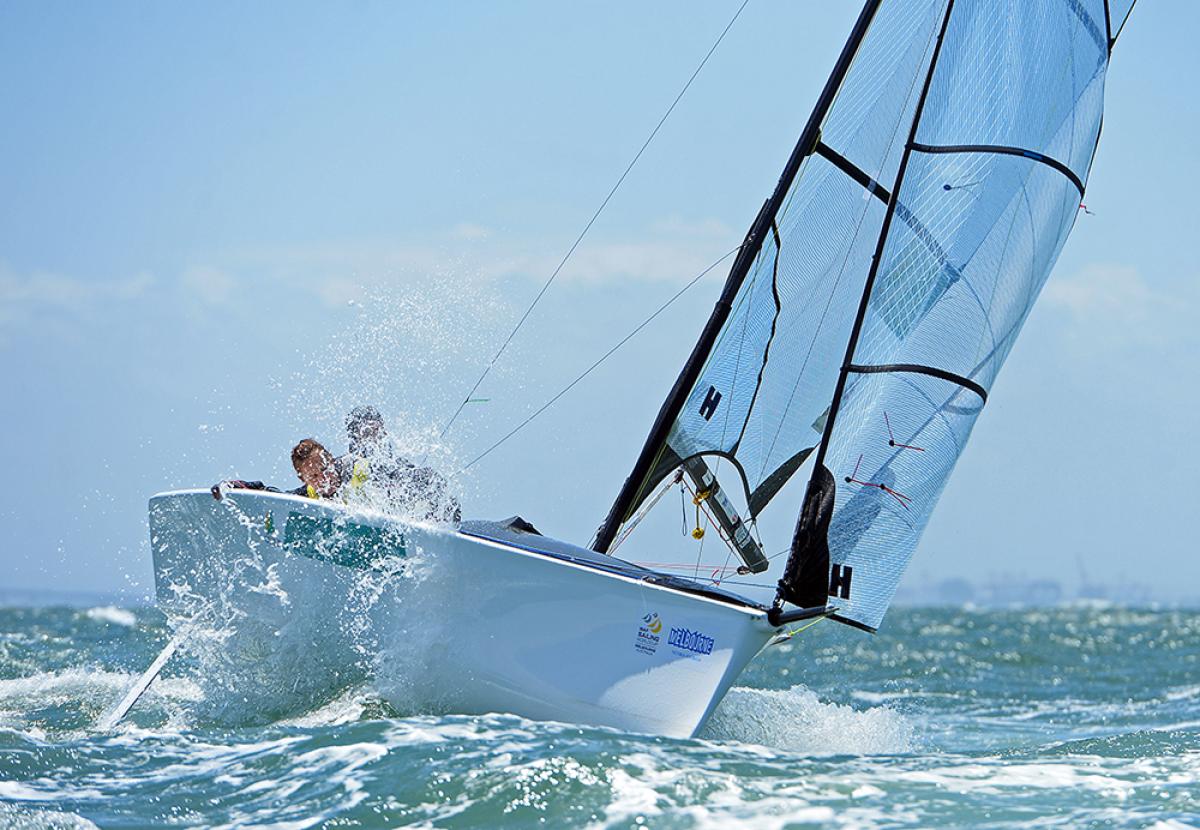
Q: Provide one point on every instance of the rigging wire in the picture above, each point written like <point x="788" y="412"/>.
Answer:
<point x="602" y="358"/>
<point x="554" y="275"/>
<point x="645" y="510"/>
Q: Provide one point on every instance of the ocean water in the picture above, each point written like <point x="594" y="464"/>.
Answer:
<point x="1082" y="716"/>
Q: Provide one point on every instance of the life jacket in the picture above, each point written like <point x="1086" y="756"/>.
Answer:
<point x="360" y="474"/>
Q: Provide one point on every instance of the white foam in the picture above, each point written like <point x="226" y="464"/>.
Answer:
<point x="17" y="817"/>
<point x="112" y="614"/>
<point x="347" y="707"/>
<point x="80" y="682"/>
<point x="93" y="688"/>
<point x="633" y="797"/>
<point x="797" y="720"/>
<point x="1182" y="693"/>
<point x="996" y="778"/>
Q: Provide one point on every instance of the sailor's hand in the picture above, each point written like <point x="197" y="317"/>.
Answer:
<point x="233" y="483"/>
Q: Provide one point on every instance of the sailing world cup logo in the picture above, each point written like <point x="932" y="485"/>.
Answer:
<point x="649" y="634"/>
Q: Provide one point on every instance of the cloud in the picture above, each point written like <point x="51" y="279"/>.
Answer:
<point x="671" y="250"/>
<point x="1111" y="303"/>
<point x="47" y="289"/>
<point x="671" y="261"/>
<point x="469" y="230"/>
<point x="210" y="285"/>
<point x="339" y="291"/>
<point x="1110" y="290"/>
<point x="24" y="296"/>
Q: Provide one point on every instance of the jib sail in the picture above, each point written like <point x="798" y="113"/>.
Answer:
<point x="755" y="388"/>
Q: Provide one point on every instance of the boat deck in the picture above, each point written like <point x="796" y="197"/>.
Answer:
<point x="513" y="533"/>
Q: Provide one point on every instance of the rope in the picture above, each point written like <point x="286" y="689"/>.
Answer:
<point x="641" y="514"/>
<point x="603" y="358"/>
<point x="698" y="500"/>
<point x="804" y="627"/>
<point x="588" y="226"/>
<point x="679" y="566"/>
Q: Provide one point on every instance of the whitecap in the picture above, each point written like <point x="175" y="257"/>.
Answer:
<point x="797" y="720"/>
<point x="90" y="688"/>
<point x="17" y="817"/>
<point x="112" y="614"/>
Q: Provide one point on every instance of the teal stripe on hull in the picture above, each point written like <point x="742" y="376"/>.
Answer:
<point x="340" y="542"/>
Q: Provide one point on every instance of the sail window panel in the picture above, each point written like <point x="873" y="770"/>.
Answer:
<point x="772" y="371"/>
<point x="1025" y="74"/>
<point x="962" y="267"/>
<point x="869" y="121"/>
<point x="899" y="436"/>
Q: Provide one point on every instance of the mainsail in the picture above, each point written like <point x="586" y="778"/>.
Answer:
<point x="883" y="283"/>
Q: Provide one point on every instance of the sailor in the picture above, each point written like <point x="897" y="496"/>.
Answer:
<point x="317" y="468"/>
<point x="373" y="471"/>
<point x="371" y="459"/>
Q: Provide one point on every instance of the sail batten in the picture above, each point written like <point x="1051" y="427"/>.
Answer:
<point x="1010" y="151"/>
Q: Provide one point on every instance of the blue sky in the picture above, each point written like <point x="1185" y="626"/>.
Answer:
<point x="223" y="225"/>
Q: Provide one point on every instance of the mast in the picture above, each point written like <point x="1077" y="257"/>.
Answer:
<point x="795" y="573"/>
<point x="751" y="246"/>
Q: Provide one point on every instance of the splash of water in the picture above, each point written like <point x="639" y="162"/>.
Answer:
<point x="256" y="613"/>
<point x="407" y="353"/>
<point x="798" y="721"/>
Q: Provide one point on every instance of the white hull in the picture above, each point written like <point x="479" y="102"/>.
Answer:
<point x="448" y="621"/>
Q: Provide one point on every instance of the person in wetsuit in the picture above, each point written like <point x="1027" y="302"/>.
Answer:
<point x="373" y="469"/>
<point x="317" y="468"/>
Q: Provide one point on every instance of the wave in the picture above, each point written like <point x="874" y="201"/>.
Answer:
<point x="1177" y="741"/>
<point x="798" y="721"/>
<point x="16" y="817"/>
<point x="72" y="699"/>
<point x="113" y="615"/>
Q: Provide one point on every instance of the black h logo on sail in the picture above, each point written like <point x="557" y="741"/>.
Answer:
<point x="839" y="580"/>
<point x="709" y="407"/>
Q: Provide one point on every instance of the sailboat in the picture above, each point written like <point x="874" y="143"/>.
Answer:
<point x="854" y="344"/>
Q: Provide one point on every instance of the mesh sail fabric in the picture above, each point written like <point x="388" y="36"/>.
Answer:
<point x="988" y="196"/>
<point x="761" y="397"/>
